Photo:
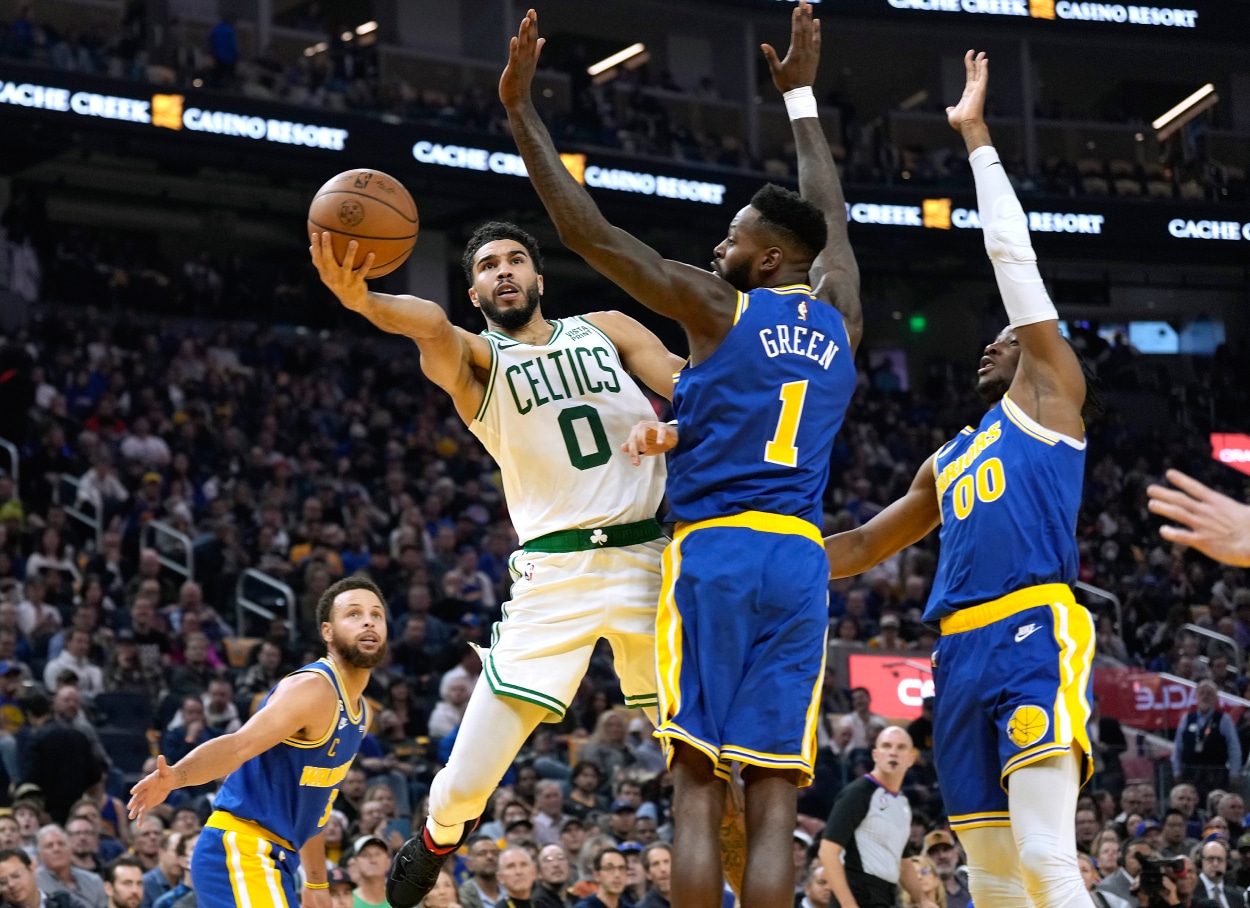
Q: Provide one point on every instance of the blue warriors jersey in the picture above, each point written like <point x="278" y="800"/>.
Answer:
<point x="1009" y="492"/>
<point x="758" y="417"/>
<point x="289" y="789"/>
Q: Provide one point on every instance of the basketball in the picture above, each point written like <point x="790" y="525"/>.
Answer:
<point x="373" y="209"/>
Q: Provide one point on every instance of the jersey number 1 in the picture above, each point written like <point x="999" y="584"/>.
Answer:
<point x="781" y="449"/>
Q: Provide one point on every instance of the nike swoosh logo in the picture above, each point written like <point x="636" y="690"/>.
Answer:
<point x="1025" y="631"/>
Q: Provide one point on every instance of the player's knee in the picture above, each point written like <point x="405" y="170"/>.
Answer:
<point x="1050" y="876"/>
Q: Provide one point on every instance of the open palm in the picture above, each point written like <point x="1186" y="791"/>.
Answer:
<point x="971" y="106"/>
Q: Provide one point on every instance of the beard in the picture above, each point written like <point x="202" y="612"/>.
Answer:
<point x="739" y="277"/>
<point x="512" y="319"/>
<point x="991" y="390"/>
<point x="354" y="655"/>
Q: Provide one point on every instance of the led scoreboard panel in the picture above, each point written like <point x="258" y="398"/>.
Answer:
<point x="1212" y="20"/>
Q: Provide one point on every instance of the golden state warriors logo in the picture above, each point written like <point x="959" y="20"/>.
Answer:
<point x="1027" y="725"/>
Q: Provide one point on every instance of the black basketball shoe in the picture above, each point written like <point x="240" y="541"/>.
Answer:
<point x="417" y="866"/>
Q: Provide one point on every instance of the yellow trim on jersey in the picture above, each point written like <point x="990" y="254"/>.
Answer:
<point x="1029" y="427"/>
<point x="759" y="521"/>
<point x="354" y="715"/>
<point x="743" y="302"/>
<point x="668" y="634"/>
<point x="969" y="619"/>
<point x="791" y="288"/>
<point x="253" y="873"/>
<point x="668" y="730"/>
<point x="334" y="722"/>
<point x="228" y="822"/>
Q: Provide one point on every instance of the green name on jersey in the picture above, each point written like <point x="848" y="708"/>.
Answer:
<point x="561" y="375"/>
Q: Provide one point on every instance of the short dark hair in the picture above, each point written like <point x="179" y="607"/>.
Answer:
<point x="325" y="605"/>
<point x="15" y="853"/>
<point x="794" y="217"/>
<point x="123" y="860"/>
<point x="584" y="765"/>
<point x="866" y="691"/>
<point x="37" y="704"/>
<point x="597" y="863"/>
<point x="499" y="230"/>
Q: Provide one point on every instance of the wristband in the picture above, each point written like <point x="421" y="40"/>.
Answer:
<point x="800" y="102"/>
<point x="316" y="885"/>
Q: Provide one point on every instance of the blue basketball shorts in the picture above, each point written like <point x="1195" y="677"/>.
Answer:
<point x="233" y="865"/>
<point x="740" y="641"/>
<point x="1012" y="684"/>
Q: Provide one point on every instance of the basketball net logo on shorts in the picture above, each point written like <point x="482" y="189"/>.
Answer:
<point x="1027" y="725"/>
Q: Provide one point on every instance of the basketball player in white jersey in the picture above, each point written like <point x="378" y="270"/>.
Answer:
<point x="553" y="403"/>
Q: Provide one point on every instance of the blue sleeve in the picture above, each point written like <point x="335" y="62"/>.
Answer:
<point x="1176" y="747"/>
<point x="1234" y="744"/>
<point x="369" y="747"/>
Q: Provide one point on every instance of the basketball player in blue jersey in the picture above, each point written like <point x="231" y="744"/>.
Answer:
<point x="772" y="332"/>
<point x="1012" y="668"/>
<point x="282" y="769"/>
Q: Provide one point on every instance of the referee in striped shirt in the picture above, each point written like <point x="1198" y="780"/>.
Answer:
<point x="868" y="828"/>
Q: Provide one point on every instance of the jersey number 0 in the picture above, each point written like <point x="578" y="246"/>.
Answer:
<point x="781" y="449"/>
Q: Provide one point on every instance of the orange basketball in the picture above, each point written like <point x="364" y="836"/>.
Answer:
<point x="371" y="208"/>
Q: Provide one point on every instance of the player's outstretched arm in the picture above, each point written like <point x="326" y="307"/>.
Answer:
<point x="1214" y="524"/>
<point x="903" y="523"/>
<point x="1049" y="385"/>
<point x="702" y="302"/>
<point x="834" y="273"/>
<point x="643" y="354"/>
<point x="298" y="703"/>
<point x="448" y="354"/>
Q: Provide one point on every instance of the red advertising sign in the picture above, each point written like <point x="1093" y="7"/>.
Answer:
<point x="1232" y="449"/>
<point x="1151" y="701"/>
<point x="897" y="684"/>
<point x="1142" y="699"/>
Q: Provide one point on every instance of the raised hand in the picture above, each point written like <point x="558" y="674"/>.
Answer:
<point x="345" y="281"/>
<point x="1214" y="524"/>
<point x="970" y="111"/>
<point x="523" y="51"/>
<point x="799" y="66"/>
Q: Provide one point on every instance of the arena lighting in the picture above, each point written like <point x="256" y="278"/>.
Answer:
<point x="619" y="57"/>
<point x="365" y="27"/>
<point x="317" y="48"/>
<point x="1203" y="99"/>
<point x="347" y="36"/>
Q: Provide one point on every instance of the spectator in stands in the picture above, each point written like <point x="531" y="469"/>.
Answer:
<point x="151" y="640"/>
<point x="142" y="448"/>
<point x="220" y="713"/>
<point x="1184" y="797"/>
<point x="1087" y="828"/>
<point x="123" y="882"/>
<point x="195" y="674"/>
<point x="10" y="832"/>
<point x="517" y="875"/>
<point x="126" y="673"/>
<point x="184" y="850"/>
<point x="610" y="869"/>
<point x="1232" y="809"/>
<point x="449" y="711"/>
<point x="549" y="812"/>
<point x="865" y="725"/>
<point x="635" y="873"/>
<point x="1122" y="882"/>
<point x="73" y="660"/>
<point x="551" y="890"/>
<point x="264" y="673"/>
<point x="657" y="861"/>
<point x="84" y="845"/>
<point x="890" y="637"/>
<point x="468" y="585"/>
<point x="608" y="747"/>
<point x="939" y="847"/>
<point x="21" y="887"/>
<point x="150" y="570"/>
<point x="482" y="887"/>
<point x="1207" y="751"/>
<point x="166" y="874"/>
<point x="57" y="872"/>
<point x="1175" y="843"/>
<point x="36" y="618"/>
<point x="188" y="729"/>
<point x="147" y="846"/>
<point x="1101" y="898"/>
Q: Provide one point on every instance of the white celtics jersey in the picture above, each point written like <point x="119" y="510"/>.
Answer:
<point x="554" y="418"/>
